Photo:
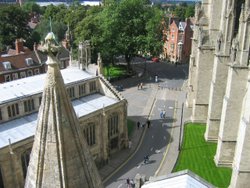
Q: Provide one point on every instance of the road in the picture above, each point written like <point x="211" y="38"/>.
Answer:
<point x="158" y="135"/>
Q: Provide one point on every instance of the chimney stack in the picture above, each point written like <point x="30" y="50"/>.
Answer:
<point x="19" y="46"/>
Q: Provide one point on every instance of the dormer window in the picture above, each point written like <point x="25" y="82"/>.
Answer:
<point x="7" y="65"/>
<point x="29" y="61"/>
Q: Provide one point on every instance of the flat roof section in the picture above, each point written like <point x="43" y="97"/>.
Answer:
<point x="25" y="127"/>
<point x="34" y="85"/>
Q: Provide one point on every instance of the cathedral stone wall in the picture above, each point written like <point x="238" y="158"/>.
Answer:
<point x="203" y="79"/>
<point x="230" y="118"/>
<point x="241" y="164"/>
<point x="217" y="91"/>
<point x="219" y="73"/>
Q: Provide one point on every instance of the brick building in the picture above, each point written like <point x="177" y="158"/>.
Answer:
<point x="177" y="40"/>
<point x="21" y="62"/>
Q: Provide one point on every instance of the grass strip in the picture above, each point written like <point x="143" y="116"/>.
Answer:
<point x="131" y="125"/>
<point x="197" y="155"/>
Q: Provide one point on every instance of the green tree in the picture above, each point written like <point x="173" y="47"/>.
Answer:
<point x="58" y="28"/>
<point x="32" y="7"/>
<point x="154" y="29"/>
<point x="13" y="25"/>
<point x="122" y="28"/>
<point x="89" y="29"/>
<point x="190" y="10"/>
<point x="55" y="13"/>
<point x="128" y="27"/>
<point x="180" y="12"/>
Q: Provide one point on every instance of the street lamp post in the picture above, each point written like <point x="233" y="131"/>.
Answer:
<point x="180" y="136"/>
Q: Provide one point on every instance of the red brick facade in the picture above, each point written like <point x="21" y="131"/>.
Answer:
<point x="177" y="43"/>
<point x="21" y="62"/>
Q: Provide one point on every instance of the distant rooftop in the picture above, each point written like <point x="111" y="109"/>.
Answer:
<point x="35" y="84"/>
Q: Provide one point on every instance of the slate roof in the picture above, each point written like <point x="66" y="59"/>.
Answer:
<point x="18" y="61"/>
<point x="34" y="85"/>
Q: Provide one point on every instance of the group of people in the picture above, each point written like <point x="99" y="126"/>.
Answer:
<point x="143" y="125"/>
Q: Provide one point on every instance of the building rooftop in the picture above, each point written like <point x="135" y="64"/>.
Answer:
<point x="34" y="85"/>
<point x="25" y="127"/>
<point x="181" y="179"/>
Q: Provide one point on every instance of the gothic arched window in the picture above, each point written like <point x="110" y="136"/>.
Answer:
<point x="25" y="161"/>
<point x="113" y="125"/>
<point x="89" y="134"/>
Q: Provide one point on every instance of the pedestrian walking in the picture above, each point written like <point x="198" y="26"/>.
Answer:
<point x="128" y="182"/>
<point x="141" y="85"/>
<point x="156" y="79"/>
<point x="138" y="86"/>
<point x="132" y="183"/>
<point x="138" y="125"/>
<point x="163" y="114"/>
<point x="148" y="123"/>
<point x="129" y="144"/>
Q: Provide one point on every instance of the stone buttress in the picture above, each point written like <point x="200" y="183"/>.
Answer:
<point x="206" y="27"/>
<point x="220" y="69"/>
<point x="235" y="91"/>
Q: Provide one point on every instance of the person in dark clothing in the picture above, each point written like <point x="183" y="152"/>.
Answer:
<point x="128" y="182"/>
<point x="148" y="123"/>
<point x="138" y="125"/>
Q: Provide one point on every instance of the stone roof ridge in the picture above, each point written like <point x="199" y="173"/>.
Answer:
<point x="60" y="156"/>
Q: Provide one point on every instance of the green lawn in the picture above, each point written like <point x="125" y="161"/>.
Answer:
<point x="115" y="71"/>
<point x="197" y="155"/>
<point x="131" y="125"/>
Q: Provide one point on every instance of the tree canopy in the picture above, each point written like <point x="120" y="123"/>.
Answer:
<point x="184" y="11"/>
<point x="13" y="25"/>
<point x="123" y="28"/>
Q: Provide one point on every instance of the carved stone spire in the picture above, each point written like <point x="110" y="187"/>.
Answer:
<point x="60" y="156"/>
<point x="99" y="64"/>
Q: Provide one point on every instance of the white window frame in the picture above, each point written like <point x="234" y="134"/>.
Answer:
<point x="7" y="65"/>
<point x="29" y="61"/>
<point x="14" y="76"/>
<point x="22" y="74"/>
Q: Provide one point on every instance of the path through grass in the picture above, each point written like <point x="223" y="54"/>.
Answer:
<point x="197" y="155"/>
